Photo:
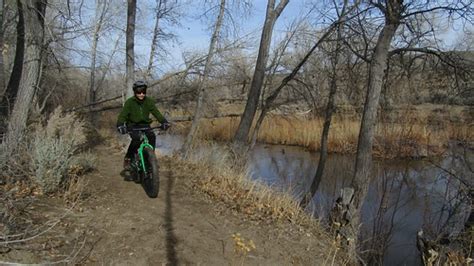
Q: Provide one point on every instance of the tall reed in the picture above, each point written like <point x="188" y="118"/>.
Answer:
<point x="408" y="137"/>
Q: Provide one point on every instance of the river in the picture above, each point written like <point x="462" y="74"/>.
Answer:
<point x="404" y="196"/>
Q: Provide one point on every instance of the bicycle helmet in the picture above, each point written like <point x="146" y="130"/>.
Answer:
<point x="139" y="86"/>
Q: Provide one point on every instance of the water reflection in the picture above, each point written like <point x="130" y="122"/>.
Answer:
<point x="403" y="197"/>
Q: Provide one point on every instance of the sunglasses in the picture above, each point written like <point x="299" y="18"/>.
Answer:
<point x="140" y="92"/>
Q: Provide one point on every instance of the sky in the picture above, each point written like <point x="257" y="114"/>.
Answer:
<point x="194" y="33"/>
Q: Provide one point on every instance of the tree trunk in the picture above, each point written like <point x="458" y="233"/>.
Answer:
<point x="2" y="69"/>
<point x="259" y="73"/>
<point x="323" y="154"/>
<point x="198" y="114"/>
<point x="267" y="106"/>
<point x="8" y="99"/>
<point x="3" y="106"/>
<point x="34" y="35"/>
<point x="95" y="40"/>
<point x="378" y="64"/>
<point x="154" y="41"/>
<point x="363" y="166"/>
<point x="129" y="49"/>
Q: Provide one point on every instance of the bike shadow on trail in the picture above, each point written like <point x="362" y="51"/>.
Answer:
<point x="171" y="240"/>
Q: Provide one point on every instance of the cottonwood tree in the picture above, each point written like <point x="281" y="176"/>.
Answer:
<point x="272" y="14"/>
<point x="165" y="12"/>
<point x="34" y="14"/>
<point x="224" y="14"/>
<point x="100" y="11"/>
<point x="2" y="71"/>
<point x="395" y="13"/>
<point x="200" y="94"/>
<point x="275" y="64"/>
<point x="69" y="26"/>
<point x="330" y="107"/>
<point x="129" y="46"/>
<point x="269" y="101"/>
<point x="9" y="95"/>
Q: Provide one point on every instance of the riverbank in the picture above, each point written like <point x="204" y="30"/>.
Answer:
<point x="404" y="132"/>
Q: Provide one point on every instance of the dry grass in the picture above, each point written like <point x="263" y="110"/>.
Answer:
<point x="223" y="180"/>
<point x="409" y="137"/>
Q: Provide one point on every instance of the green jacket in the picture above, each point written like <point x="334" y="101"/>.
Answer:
<point x="138" y="112"/>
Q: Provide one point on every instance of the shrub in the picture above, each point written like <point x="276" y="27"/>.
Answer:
<point x="54" y="147"/>
<point x="83" y="162"/>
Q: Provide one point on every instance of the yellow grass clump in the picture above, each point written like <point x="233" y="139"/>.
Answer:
<point x="410" y="137"/>
<point x="223" y="179"/>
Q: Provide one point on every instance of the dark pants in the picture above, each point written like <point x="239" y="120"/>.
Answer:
<point x="135" y="143"/>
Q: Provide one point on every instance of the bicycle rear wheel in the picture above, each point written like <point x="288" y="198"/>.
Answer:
<point x="151" y="182"/>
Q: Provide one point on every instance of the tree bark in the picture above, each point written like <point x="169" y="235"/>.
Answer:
<point x="268" y="105"/>
<point x="247" y="117"/>
<point x="323" y="154"/>
<point x="95" y="40"/>
<point x="8" y="99"/>
<point x="129" y="49"/>
<point x="2" y="69"/>
<point x="363" y="164"/>
<point x="198" y="114"/>
<point x="378" y="64"/>
<point x="154" y="41"/>
<point x="34" y="35"/>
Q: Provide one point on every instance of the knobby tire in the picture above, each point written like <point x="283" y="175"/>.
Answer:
<point x="151" y="182"/>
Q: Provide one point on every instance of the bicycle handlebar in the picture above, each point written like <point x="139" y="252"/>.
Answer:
<point x="143" y="128"/>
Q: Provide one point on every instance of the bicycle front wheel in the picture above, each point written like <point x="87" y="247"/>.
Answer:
<point x="151" y="181"/>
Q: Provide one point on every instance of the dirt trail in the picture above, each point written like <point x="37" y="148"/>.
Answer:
<point x="122" y="226"/>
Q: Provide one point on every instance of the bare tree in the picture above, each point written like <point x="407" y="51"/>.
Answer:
<point x="34" y="34"/>
<point x="100" y="10"/>
<point x="8" y="98"/>
<point x="165" y="11"/>
<point x="395" y="12"/>
<point x="329" y="108"/>
<point x="2" y="71"/>
<point x="392" y="11"/>
<point x="129" y="46"/>
<point x="269" y="101"/>
<point x="247" y="117"/>
<point x="199" y="106"/>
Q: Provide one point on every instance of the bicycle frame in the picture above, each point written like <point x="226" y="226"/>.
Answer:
<point x="144" y="144"/>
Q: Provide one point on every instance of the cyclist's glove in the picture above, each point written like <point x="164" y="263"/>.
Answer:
<point x="122" y="129"/>
<point x="165" y="125"/>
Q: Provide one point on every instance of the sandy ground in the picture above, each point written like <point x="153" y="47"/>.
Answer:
<point x="115" y="223"/>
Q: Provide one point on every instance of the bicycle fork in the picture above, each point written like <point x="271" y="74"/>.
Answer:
<point x="142" y="157"/>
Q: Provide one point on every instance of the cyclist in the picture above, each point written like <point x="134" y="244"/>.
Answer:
<point x="135" y="114"/>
